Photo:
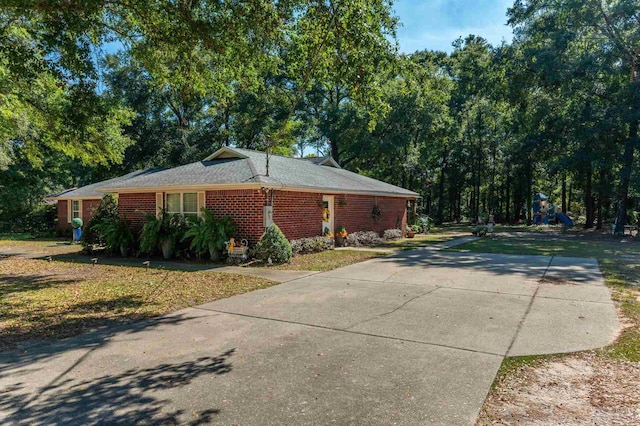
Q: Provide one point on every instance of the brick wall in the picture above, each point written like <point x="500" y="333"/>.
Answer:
<point x="62" y="215"/>
<point x="354" y="212"/>
<point x="88" y="209"/>
<point x="299" y="214"/>
<point x="134" y="206"/>
<point x="245" y="208"/>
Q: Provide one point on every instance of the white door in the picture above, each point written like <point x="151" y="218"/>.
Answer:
<point x="327" y="214"/>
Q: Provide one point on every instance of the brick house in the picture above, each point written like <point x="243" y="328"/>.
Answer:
<point x="302" y="196"/>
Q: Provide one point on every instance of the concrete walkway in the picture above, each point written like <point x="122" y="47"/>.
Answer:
<point x="413" y="338"/>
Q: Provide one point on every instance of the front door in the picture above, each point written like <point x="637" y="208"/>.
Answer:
<point x="327" y="214"/>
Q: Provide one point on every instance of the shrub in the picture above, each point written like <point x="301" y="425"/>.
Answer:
<point x="424" y="224"/>
<point x="480" y="230"/>
<point x="161" y="231"/>
<point x="208" y="234"/>
<point x="107" y="211"/>
<point x="117" y="234"/>
<point x="273" y="245"/>
<point x="392" y="234"/>
<point x="311" y="245"/>
<point x="364" y="238"/>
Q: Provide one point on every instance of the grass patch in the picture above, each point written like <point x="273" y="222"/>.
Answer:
<point x="551" y="245"/>
<point x="323" y="261"/>
<point x="420" y="240"/>
<point x="514" y="365"/>
<point x="44" y="247"/>
<point x="53" y="300"/>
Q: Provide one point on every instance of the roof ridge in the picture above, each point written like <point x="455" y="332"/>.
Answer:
<point x="254" y="172"/>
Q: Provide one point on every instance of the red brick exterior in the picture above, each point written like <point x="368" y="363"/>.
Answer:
<point x="62" y="215"/>
<point x="245" y="208"/>
<point x="133" y="207"/>
<point x="299" y="214"/>
<point x="355" y="213"/>
<point x="88" y="210"/>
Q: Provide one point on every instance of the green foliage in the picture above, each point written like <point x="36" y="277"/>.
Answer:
<point x="273" y="245"/>
<point x="480" y="230"/>
<point x="116" y="233"/>
<point x="167" y="228"/>
<point x="208" y="234"/>
<point x="423" y="224"/>
<point x="106" y="212"/>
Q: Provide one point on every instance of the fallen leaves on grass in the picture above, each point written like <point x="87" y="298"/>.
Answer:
<point x="53" y="300"/>
<point x="324" y="261"/>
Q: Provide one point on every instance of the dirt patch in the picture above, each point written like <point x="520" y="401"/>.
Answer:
<point x="573" y="390"/>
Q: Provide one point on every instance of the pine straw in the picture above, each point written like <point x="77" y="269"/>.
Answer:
<point x="53" y="300"/>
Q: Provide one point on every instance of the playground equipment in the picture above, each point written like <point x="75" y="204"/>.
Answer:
<point x="545" y="212"/>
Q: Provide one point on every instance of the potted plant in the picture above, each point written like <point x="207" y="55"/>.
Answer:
<point x="161" y="231"/>
<point x="117" y="234"/>
<point x="340" y="235"/>
<point x="208" y="234"/>
<point x="411" y="232"/>
<point x="327" y="233"/>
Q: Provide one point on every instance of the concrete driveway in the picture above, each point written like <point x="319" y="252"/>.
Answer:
<point x="413" y="338"/>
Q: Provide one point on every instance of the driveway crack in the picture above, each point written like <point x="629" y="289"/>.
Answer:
<point x="533" y="297"/>
<point x="405" y="303"/>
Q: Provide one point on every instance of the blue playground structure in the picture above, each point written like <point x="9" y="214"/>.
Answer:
<point x="545" y="213"/>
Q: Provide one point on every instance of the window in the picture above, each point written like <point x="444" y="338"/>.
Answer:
<point x="190" y="203"/>
<point x="173" y="203"/>
<point x="75" y="209"/>
<point x="185" y="203"/>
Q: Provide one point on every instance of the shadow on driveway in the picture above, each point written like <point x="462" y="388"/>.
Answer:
<point x="123" y="399"/>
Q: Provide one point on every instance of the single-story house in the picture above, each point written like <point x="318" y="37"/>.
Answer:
<point x="304" y="197"/>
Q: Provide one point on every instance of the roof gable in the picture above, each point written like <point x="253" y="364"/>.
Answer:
<point x="225" y="152"/>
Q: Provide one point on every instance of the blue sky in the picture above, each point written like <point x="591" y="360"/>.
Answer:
<point x="435" y="24"/>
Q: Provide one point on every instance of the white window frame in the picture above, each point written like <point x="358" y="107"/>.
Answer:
<point x="182" y="212"/>
<point x="74" y="211"/>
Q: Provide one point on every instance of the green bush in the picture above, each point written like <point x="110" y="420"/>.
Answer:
<point x="273" y="245"/>
<point x="107" y="211"/>
<point x="161" y="232"/>
<point x="209" y="234"/>
<point x="423" y="224"/>
<point x="117" y="234"/>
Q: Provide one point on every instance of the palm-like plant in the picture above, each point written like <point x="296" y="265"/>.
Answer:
<point x="117" y="234"/>
<point x="209" y="234"/>
<point x="161" y="231"/>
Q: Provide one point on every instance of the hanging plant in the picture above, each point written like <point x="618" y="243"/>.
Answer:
<point x="376" y="213"/>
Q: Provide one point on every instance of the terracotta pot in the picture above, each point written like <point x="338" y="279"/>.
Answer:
<point x="411" y="234"/>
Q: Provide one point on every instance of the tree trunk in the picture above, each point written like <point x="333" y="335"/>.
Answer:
<point x="588" y="199"/>
<point x="440" y="216"/>
<point x="529" y="194"/>
<point x="507" y="201"/>
<point x="564" y="192"/>
<point x="625" y="177"/>
<point x="601" y="186"/>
